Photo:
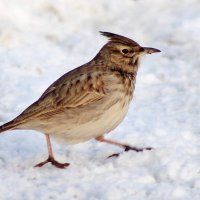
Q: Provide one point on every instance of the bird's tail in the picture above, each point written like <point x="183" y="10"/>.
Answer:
<point x="8" y="126"/>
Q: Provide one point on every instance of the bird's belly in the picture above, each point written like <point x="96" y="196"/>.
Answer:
<point x="103" y="123"/>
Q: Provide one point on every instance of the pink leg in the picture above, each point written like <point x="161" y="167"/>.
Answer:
<point x="124" y="146"/>
<point x="51" y="157"/>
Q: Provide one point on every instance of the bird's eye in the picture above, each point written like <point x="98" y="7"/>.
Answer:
<point x="125" y="51"/>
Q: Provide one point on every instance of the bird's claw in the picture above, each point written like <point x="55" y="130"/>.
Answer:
<point x="53" y="162"/>
<point x="128" y="148"/>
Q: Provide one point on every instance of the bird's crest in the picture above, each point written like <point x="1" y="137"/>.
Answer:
<point x="119" y="38"/>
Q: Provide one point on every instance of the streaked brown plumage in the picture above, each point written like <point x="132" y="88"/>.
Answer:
<point x="88" y="101"/>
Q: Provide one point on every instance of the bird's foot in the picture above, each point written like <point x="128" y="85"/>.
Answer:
<point x="128" y="148"/>
<point x="53" y="162"/>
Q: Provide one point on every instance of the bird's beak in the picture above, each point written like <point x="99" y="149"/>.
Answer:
<point x="150" y="50"/>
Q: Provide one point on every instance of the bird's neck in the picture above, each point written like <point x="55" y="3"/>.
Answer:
<point x="126" y="69"/>
<point x="124" y="73"/>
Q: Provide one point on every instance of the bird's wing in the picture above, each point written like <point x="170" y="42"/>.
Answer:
<point x="77" y="93"/>
<point x="69" y="91"/>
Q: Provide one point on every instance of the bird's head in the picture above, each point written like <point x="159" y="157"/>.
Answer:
<point x="122" y="50"/>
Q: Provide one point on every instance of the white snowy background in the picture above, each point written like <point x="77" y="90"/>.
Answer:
<point x="42" y="39"/>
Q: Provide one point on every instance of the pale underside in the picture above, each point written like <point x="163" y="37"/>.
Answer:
<point x="78" y="125"/>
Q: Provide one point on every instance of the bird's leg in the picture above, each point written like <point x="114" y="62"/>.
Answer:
<point x="51" y="157"/>
<point x="124" y="146"/>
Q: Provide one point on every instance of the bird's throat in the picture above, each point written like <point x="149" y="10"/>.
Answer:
<point x="124" y="73"/>
<point x="127" y="70"/>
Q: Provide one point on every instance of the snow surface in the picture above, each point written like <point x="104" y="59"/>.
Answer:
<point x="42" y="39"/>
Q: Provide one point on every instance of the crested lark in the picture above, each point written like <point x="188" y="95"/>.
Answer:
<point x="88" y="101"/>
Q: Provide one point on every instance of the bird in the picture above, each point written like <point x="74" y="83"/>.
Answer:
<point x="89" y="101"/>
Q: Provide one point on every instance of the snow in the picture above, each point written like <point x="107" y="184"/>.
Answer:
<point x="42" y="39"/>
